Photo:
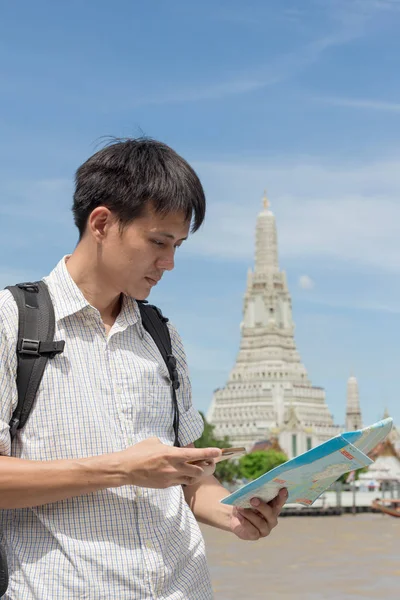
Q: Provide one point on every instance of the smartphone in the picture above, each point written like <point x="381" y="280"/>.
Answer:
<point x="226" y="453"/>
<point x="230" y="453"/>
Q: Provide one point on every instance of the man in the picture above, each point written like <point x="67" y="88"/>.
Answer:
<point x="98" y="502"/>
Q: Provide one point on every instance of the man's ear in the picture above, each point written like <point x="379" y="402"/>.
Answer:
<point x="99" y="223"/>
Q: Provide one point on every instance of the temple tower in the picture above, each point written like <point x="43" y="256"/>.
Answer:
<point x="268" y="383"/>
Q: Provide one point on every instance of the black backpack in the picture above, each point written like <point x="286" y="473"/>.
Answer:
<point x="36" y="345"/>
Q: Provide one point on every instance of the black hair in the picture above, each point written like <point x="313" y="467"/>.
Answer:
<point x="126" y="175"/>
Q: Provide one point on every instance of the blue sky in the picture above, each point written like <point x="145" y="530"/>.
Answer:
<point x="302" y="98"/>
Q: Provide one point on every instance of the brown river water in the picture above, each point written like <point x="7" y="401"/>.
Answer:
<point x="310" y="558"/>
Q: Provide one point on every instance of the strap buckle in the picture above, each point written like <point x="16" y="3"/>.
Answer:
<point x="29" y="287"/>
<point x="173" y="373"/>
<point x="37" y="348"/>
<point x="13" y="427"/>
<point x="29" y="347"/>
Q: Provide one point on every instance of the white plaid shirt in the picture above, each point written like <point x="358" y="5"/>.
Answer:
<point x="101" y="395"/>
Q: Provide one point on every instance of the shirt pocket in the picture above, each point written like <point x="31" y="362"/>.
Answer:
<point x="159" y="412"/>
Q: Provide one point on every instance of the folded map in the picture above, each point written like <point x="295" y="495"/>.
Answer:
<point x="307" y="476"/>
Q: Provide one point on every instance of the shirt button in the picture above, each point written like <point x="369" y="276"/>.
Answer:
<point x="149" y="545"/>
<point x="118" y="390"/>
<point x="138" y="492"/>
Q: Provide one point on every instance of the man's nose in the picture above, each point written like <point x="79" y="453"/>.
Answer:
<point x="166" y="263"/>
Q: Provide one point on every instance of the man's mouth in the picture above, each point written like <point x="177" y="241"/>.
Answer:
<point x="152" y="281"/>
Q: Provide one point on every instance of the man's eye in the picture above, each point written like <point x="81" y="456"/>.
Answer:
<point x="158" y="243"/>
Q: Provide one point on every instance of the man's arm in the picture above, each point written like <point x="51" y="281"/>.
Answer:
<point x="26" y="483"/>
<point x="204" y="501"/>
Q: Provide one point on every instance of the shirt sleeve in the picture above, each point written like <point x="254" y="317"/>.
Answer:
<point x="191" y="424"/>
<point x="8" y="389"/>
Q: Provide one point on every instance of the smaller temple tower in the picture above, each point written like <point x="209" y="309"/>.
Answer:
<point x="353" y="411"/>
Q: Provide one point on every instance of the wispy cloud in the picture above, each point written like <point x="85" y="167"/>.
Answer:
<point x="361" y="103"/>
<point x="361" y="10"/>
<point x="347" y="214"/>
<point x="355" y="304"/>
<point x="241" y="84"/>
<point x="277" y="71"/>
<point x="340" y="27"/>
<point x="376" y="5"/>
<point x="305" y="282"/>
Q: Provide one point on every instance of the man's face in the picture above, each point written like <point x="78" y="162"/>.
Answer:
<point x="134" y="261"/>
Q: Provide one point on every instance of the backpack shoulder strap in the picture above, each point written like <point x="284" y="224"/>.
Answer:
<point x="3" y="571"/>
<point x="36" y="326"/>
<point x="155" y="324"/>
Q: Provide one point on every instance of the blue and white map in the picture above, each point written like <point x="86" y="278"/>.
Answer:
<point x="307" y="476"/>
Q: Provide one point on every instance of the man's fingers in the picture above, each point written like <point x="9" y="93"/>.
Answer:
<point x="278" y="502"/>
<point x="252" y="532"/>
<point x="198" y="454"/>
<point x="258" y="521"/>
<point x="266" y="511"/>
<point x="189" y="470"/>
<point x="208" y="466"/>
<point x="202" y="463"/>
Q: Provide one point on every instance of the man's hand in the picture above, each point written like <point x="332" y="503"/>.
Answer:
<point x="153" y="464"/>
<point x="255" y="523"/>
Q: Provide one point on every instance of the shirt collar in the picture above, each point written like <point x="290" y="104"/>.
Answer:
<point x="68" y="299"/>
<point x="130" y="314"/>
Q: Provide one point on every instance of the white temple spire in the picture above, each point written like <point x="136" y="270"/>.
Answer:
<point x="353" y="410"/>
<point x="265" y="200"/>
<point x="266" y="258"/>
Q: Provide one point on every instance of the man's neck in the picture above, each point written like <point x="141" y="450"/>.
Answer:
<point x="85" y="275"/>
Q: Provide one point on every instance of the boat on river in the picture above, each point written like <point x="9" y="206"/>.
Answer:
<point x="388" y="506"/>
